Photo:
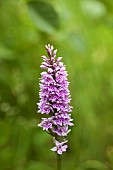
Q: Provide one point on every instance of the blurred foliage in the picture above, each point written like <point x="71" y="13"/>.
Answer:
<point x="82" y="32"/>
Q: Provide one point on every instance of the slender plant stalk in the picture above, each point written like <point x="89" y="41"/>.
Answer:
<point x="58" y="162"/>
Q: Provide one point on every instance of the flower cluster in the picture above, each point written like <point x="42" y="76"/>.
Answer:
<point x="54" y="99"/>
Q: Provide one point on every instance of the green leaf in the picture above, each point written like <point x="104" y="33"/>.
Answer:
<point x="44" y="16"/>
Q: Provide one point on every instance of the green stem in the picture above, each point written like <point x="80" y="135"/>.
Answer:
<point x="58" y="162"/>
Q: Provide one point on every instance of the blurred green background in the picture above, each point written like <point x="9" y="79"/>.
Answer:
<point x="82" y="31"/>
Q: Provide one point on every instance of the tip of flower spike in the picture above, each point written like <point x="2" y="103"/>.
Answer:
<point x="49" y="49"/>
<point x="48" y="46"/>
